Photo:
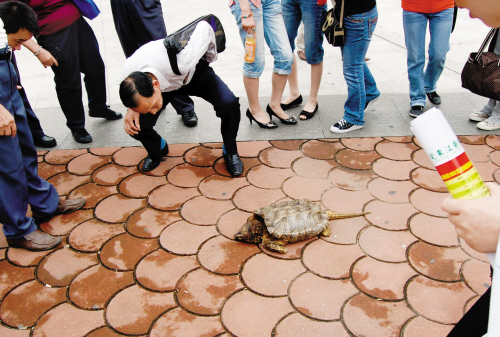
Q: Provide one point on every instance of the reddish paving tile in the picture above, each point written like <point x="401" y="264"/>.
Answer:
<point x="179" y="323"/>
<point x="153" y="253"/>
<point x="321" y="150"/>
<point x="62" y="157"/>
<point x="87" y="163"/>
<point x="438" y="301"/>
<point x="149" y="223"/>
<point x="139" y="185"/>
<point x="268" y="177"/>
<point x="389" y="216"/>
<point x="296" y="325"/>
<point x="389" y="246"/>
<point x="365" y="316"/>
<point x="396" y="151"/>
<point x="305" y="188"/>
<point x="370" y="276"/>
<point x="160" y="271"/>
<point x="245" y="309"/>
<point x="268" y="276"/>
<point x="354" y="180"/>
<point x="356" y="160"/>
<point x="143" y="308"/>
<point x="361" y="144"/>
<point x="204" y="293"/>
<point x="320" y="298"/>
<point x="394" y="169"/>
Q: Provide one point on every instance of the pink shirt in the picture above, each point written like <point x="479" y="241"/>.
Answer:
<point x="54" y="15"/>
<point x="256" y="3"/>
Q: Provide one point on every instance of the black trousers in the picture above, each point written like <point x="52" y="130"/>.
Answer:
<point x="77" y="51"/>
<point x="475" y="321"/>
<point x="207" y="85"/>
<point x="33" y="121"/>
<point x="138" y="22"/>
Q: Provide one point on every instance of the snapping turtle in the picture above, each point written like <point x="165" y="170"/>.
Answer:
<point x="288" y="221"/>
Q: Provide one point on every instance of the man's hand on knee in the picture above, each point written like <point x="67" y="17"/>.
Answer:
<point x="131" y="122"/>
<point x="7" y="123"/>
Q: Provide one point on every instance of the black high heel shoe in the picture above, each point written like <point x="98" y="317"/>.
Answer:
<point x="271" y="125"/>
<point x="293" y="103"/>
<point x="290" y="121"/>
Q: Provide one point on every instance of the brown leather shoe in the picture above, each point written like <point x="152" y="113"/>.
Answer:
<point x="36" y="240"/>
<point x="64" y="207"/>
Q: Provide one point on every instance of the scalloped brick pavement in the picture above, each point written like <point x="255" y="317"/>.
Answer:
<point x="152" y="254"/>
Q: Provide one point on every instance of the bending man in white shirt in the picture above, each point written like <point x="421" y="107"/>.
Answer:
<point x="148" y="84"/>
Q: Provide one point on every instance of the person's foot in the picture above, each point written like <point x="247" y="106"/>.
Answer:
<point x="478" y="116"/>
<point x="291" y="103"/>
<point x="45" y="141"/>
<point x="81" y="136"/>
<point x="150" y="164"/>
<point x="302" y="55"/>
<point x="343" y="126"/>
<point x="189" y="118"/>
<point x="107" y="113"/>
<point x="434" y="98"/>
<point x="369" y="104"/>
<point x="489" y="124"/>
<point x="416" y="110"/>
<point x="234" y="165"/>
<point x="36" y="240"/>
<point x="64" y="207"/>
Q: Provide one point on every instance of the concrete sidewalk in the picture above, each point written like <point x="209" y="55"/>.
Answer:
<point x="387" y="62"/>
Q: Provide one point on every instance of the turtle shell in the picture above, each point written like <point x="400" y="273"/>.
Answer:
<point x="294" y="220"/>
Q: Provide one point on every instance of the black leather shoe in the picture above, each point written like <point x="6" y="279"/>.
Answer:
<point x="150" y="164"/>
<point x="434" y="98"/>
<point x="81" y="136"/>
<point x="189" y="118"/>
<point x="107" y="113"/>
<point x="289" y="121"/>
<point x="234" y="165"/>
<point x="293" y="103"/>
<point x="45" y="141"/>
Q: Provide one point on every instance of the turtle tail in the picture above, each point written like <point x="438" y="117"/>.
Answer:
<point x="335" y="215"/>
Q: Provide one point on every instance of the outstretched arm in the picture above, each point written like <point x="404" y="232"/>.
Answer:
<point x="477" y="221"/>
<point x="44" y="56"/>
<point x="7" y="123"/>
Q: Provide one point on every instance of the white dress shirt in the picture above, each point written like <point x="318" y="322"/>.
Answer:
<point x="3" y="36"/>
<point x="153" y="58"/>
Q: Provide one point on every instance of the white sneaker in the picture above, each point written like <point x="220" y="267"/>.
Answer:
<point x="478" y="116"/>
<point x="488" y="125"/>
<point x="343" y="126"/>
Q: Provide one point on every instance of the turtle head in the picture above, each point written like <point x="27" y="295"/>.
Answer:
<point x="251" y="231"/>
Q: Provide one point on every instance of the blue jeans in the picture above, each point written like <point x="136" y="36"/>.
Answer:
<point x="361" y="86"/>
<point x="415" y="26"/>
<point x="307" y="11"/>
<point x="269" y="25"/>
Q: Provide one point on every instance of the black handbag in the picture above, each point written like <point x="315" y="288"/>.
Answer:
<point x="176" y="41"/>
<point x="332" y="26"/>
<point x="481" y="73"/>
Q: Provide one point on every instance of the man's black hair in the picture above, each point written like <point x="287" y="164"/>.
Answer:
<point x="17" y="15"/>
<point x="136" y="83"/>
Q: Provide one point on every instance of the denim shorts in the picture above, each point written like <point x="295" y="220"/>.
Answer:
<point x="309" y="12"/>
<point x="269" y="27"/>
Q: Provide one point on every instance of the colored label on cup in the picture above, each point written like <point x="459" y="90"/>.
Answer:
<point x="462" y="179"/>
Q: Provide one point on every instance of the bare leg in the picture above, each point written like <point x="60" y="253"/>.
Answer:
<point x="293" y="83"/>
<point x="252" y="89"/>
<point x="279" y="83"/>
<point x="316" y="74"/>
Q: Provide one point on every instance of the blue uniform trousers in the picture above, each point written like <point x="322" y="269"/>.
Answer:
<point x="20" y="184"/>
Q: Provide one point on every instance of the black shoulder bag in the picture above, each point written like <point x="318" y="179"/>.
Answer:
<point x="176" y="41"/>
<point x="332" y="26"/>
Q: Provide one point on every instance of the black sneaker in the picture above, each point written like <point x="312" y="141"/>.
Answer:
<point x="107" y="113"/>
<point x="343" y="126"/>
<point x="81" y="136"/>
<point x="416" y="110"/>
<point x="434" y="98"/>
